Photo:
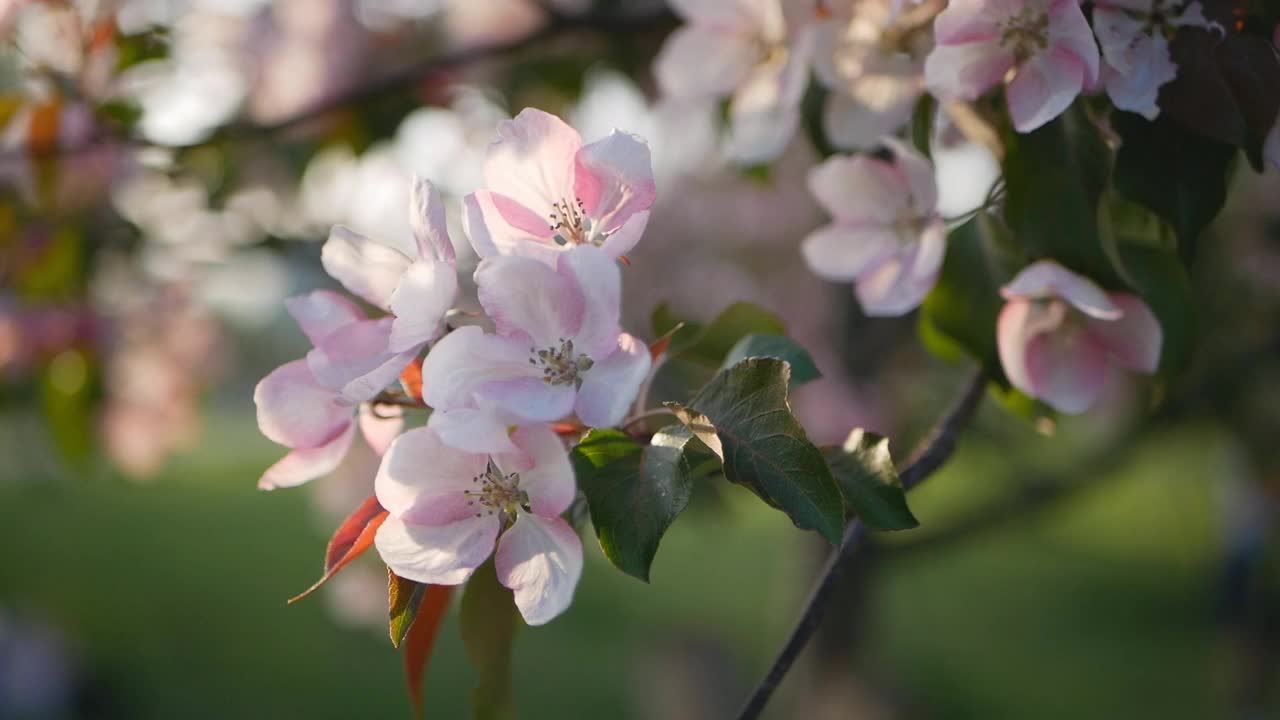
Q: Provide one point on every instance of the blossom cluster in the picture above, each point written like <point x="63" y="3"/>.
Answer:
<point x="487" y="474"/>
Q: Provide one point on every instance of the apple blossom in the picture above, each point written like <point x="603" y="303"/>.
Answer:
<point x="557" y="350"/>
<point x="1058" y="331"/>
<point x="887" y="235"/>
<point x="448" y="506"/>
<point x="1044" y="49"/>
<point x="545" y="192"/>
<point x="1135" y="37"/>
<point x="748" y="50"/>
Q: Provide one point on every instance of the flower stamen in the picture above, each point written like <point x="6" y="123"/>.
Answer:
<point x="560" y="366"/>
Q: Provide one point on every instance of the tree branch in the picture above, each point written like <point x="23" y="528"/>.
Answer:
<point x="933" y="453"/>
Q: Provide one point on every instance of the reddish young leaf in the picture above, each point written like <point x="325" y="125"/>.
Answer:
<point x="422" y="637"/>
<point x="349" y="541"/>
<point x="411" y="380"/>
<point x="659" y="346"/>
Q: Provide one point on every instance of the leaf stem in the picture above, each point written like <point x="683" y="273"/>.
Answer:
<point x="933" y="453"/>
<point x="646" y="415"/>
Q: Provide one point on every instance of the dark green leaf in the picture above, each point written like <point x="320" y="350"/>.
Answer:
<point x="634" y="491"/>
<point x="734" y="323"/>
<point x="864" y="470"/>
<point x="1162" y="281"/>
<point x="663" y="322"/>
<point x="489" y="622"/>
<point x="1187" y="186"/>
<point x="803" y="369"/>
<point x="764" y="447"/>
<point x="1054" y="178"/>
<point x="403" y="599"/>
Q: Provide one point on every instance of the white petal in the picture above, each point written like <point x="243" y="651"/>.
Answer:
<point x="466" y="360"/>
<point x="364" y="267"/>
<point x="614" y="180"/>
<point x="356" y="361"/>
<point x="852" y="124"/>
<point x="425" y="293"/>
<point x="540" y="559"/>
<point x="491" y="234"/>
<point x="1043" y="88"/>
<point x="701" y="61"/>
<point x="300" y="466"/>
<point x="532" y="160"/>
<point x="442" y="555"/>
<point x="597" y="284"/>
<point x="545" y="472"/>
<point x="610" y="387"/>
<point x="1047" y="279"/>
<point x="321" y="312"/>
<point x="860" y="190"/>
<point x="475" y="430"/>
<point x="423" y="480"/>
<point x="294" y="410"/>
<point x="965" y="72"/>
<point x="841" y="253"/>
<point x="427" y="219"/>
<point x="529" y="301"/>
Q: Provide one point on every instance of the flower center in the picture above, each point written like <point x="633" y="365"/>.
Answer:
<point x="559" y="364"/>
<point x="571" y="225"/>
<point x="1026" y="33"/>
<point x="493" y="492"/>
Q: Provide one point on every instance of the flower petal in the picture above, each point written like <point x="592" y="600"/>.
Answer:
<point x="701" y="61"/>
<point x="381" y="428"/>
<point x="622" y="240"/>
<point x="475" y="430"/>
<point x="852" y="122"/>
<point x="305" y="464"/>
<point x="891" y="289"/>
<point x="917" y="174"/>
<point x="1046" y="279"/>
<point x="614" y="180"/>
<point x="1135" y="340"/>
<point x="321" y="312"/>
<point x="596" y="281"/>
<point x="491" y="235"/>
<point x="540" y="559"/>
<point x="427" y="220"/>
<point x="529" y="301"/>
<point x="532" y="160"/>
<point x="1044" y="87"/>
<point x="1069" y="32"/>
<point x="423" y="480"/>
<point x="436" y="555"/>
<point x="840" y="253"/>
<point x="528" y="399"/>
<point x="965" y="72"/>
<point x="426" y="291"/>
<point x="1066" y="372"/>
<point x="859" y="190"/>
<point x="610" y="387"/>
<point x="545" y="472"/>
<point x="364" y="267"/>
<point x="294" y="410"/>
<point x="466" y="360"/>
<point x="356" y="361"/>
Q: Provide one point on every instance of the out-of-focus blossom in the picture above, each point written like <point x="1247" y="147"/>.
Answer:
<point x="887" y="236"/>
<point x="876" y="76"/>
<point x="1135" y="37"/>
<point x="308" y="52"/>
<point x="1058" y="331"/>
<point x="1043" y="48"/>
<point x="558" y="350"/>
<point x="448" y="144"/>
<point x="749" y="51"/>
<point x="545" y="192"/>
<point x="447" y="507"/>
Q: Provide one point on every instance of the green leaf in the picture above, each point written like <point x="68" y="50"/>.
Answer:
<point x="764" y="447"/>
<point x="1187" y="186"/>
<point x="803" y="369"/>
<point x="489" y="622"/>
<point x="663" y="322"/>
<point x="403" y="600"/>
<point x="1162" y="281"/>
<point x="634" y="491"/>
<point x="864" y="470"/>
<point x="1054" y="178"/>
<point x="734" y="323"/>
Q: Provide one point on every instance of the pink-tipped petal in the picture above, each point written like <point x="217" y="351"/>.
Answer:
<point x="532" y="160"/>
<point x="595" y="284"/>
<point x="965" y="72"/>
<point x="545" y="472"/>
<point x="1135" y="340"/>
<point x="427" y="220"/>
<point x="624" y="239"/>
<point x="612" y="383"/>
<point x="891" y="289"/>
<point x="436" y="555"/>
<point x="614" y="180"/>
<point x="540" y="559"/>
<point x="840" y="253"/>
<point x="1043" y="88"/>
<point x="306" y="464"/>
<point x="475" y="430"/>
<point x="424" y="481"/>
<point x="364" y="267"/>
<point x="1067" y="371"/>
<point x="426" y="291"/>
<point x="296" y="411"/>
<point x="380" y="426"/>
<point x="1069" y="31"/>
<point x="356" y="361"/>
<point x="492" y="235"/>
<point x="698" y="61"/>
<point x="529" y="301"/>
<point x="1048" y="279"/>
<point x="466" y="360"/>
<point x="321" y="312"/>
<point x="971" y="21"/>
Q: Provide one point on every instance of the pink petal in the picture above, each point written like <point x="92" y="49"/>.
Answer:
<point x="466" y="360"/>
<point x="614" y="180"/>
<point x="475" y="430"/>
<point x="1048" y="279"/>
<point x="427" y="220"/>
<point x="356" y="361"/>
<point x="528" y="301"/>
<point x="764" y="114"/>
<point x="1067" y="371"/>
<point x="296" y="411"/>
<point x="436" y="555"/>
<point x="917" y="174"/>
<point x="970" y="21"/>
<point x="426" y="291"/>
<point x="424" y="481"/>
<point x="741" y="16"/>
<point x="1069" y="31"/>
<point x="1043" y="88"/>
<point x="622" y="240"/>
<point x="528" y="399"/>
<point x="532" y="160"/>
<point x="364" y="267"/>
<point x="858" y="122"/>
<point x="859" y="190"/>
<point x="841" y="253"/>
<point x="596" y="285"/>
<point x="1135" y="86"/>
<point x="321" y="312"/>
<point x="540" y="559"/>
<point x="300" y="466"/>
<point x="492" y="235"/>
<point x="545" y="472"/>
<point x="699" y="61"/>
<point x="1135" y="340"/>
<point x="381" y="428"/>
<point x="610" y="387"/>
<point x="965" y="72"/>
<point x="890" y="289"/>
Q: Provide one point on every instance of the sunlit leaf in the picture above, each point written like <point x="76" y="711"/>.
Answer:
<point x="864" y="470"/>
<point x="403" y="599"/>
<point x="803" y="369"/>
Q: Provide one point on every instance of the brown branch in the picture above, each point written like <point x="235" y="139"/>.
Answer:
<point x="933" y="453"/>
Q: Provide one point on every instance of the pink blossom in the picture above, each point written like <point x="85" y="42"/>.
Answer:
<point x="545" y="192"/>
<point x="887" y="236"/>
<point x="1135" y="37"/>
<point x="557" y="350"/>
<point x="448" y="506"/>
<point x="1044" y="49"/>
<point x="1058" y="332"/>
<point x="745" y="49"/>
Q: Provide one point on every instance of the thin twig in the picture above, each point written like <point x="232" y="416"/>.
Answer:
<point x="646" y="415"/>
<point x="933" y="452"/>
